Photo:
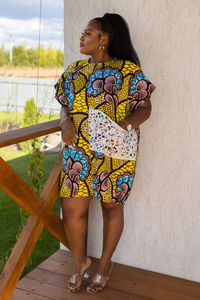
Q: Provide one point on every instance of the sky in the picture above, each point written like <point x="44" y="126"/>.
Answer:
<point x="19" y="23"/>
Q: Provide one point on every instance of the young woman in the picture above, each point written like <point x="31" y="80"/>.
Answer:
<point x="111" y="81"/>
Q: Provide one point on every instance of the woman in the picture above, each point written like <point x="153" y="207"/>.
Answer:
<point x="112" y="81"/>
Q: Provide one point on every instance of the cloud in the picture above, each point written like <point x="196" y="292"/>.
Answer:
<point x="27" y="31"/>
<point x="20" y="23"/>
<point x="23" y="9"/>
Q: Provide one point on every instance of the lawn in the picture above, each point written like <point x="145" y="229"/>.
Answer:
<point x="9" y="210"/>
<point x="16" y="120"/>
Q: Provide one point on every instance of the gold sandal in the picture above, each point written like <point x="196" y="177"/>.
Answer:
<point x="75" y="280"/>
<point x="98" y="281"/>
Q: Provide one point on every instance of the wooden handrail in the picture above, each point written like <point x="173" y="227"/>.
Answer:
<point x="28" y="133"/>
<point x="39" y="207"/>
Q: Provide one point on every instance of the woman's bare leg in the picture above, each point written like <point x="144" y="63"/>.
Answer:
<point x="75" y="225"/>
<point x="113" y="216"/>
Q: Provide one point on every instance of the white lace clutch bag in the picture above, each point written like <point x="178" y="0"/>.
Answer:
<point x="109" y="138"/>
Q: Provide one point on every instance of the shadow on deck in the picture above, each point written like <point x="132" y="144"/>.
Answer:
<point x="49" y="280"/>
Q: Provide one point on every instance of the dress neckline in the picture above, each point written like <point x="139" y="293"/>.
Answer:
<point x="101" y="63"/>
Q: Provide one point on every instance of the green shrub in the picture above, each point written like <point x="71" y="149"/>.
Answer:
<point x="31" y="117"/>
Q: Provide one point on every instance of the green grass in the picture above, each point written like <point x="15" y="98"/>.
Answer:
<point x="9" y="210"/>
<point x="18" y="117"/>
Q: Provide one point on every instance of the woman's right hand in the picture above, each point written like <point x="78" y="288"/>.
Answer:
<point x="68" y="132"/>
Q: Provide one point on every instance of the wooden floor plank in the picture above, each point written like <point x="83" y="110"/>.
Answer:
<point x="49" y="277"/>
<point x="58" y="279"/>
<point x="178" y="287"/>
<point x="160" y="281"/>
<point x="56" y="266"/>
<point x="45" y="289"/>
<point x="145" y="290"/>
<point x="49" y="280"/>
<point x="61" y="281"/>
<point x="134" y="280"/>
<point x="132" y="272"/>
<point x="24" y="295"/>
<point x="137" y="287"/>
<point x="62" y="256"/>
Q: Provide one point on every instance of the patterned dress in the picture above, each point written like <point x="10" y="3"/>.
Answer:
<point x="116" y="87"/>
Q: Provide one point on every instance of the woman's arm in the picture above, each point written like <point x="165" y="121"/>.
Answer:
<point x="63" y="113"/>
<point x="68" y="130"/>
<point x="137" y="116"/>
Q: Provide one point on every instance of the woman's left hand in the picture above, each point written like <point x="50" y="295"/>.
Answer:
<point x="122" y="125"/>
<point x="137" y="116"/>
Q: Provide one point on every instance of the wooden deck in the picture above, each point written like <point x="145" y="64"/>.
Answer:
<point x="49" y="279"/>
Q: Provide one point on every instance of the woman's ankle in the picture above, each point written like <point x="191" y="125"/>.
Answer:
<point x="103" y="266"/>
<point x="82" y="264"/>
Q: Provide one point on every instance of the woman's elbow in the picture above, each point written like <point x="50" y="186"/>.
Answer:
<point x="147" y="108"/>
<point x="148" y="112"/>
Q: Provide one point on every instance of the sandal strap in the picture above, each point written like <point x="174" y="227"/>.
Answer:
<point x="86" y="275"/>
<point x="74" y="278"/>
<point x="100" y="279"/>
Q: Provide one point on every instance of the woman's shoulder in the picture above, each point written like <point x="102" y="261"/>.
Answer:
<point x="76" y="63"/>
<point x="131" y="65"/>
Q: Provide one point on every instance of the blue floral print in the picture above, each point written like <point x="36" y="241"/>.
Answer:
<point x="127" y="179"/>
<point x="107" y="80"/>
<point x="134" y="81"/>
<point x="76" y="155"/>
<point x="68" y="89"/>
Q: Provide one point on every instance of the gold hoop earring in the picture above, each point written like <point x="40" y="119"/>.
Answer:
<point x="101" y="47"/>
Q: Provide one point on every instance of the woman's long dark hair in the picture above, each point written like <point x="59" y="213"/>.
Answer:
<point x="120" y="45"/>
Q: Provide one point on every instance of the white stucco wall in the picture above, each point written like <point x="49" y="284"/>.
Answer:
<point x="162" y="214"/>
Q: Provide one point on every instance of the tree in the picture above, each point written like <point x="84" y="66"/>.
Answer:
<point x="29" y="57"/>
<point x="20" y="57"/>
<point x="32" y="55"/>
<point x="4" y="56"/>
<point x="51" y="57"/>
<point x="43" y="57"/>
<point x="60" y="58"/>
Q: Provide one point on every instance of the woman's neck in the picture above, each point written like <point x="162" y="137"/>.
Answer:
<point x="100" y="58"/>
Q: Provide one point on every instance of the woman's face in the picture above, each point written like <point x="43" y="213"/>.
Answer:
<point x="91" y="38"/>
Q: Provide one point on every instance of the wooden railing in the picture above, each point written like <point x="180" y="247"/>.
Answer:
<point x="38" y="207"/>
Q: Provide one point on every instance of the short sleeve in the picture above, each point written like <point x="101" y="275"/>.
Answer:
<point x="140" y="89"/>
<point x="64" y="87"/>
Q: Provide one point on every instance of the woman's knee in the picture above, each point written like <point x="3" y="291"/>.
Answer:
<point x="112" y="209"/>
<point x="73" y="208"/>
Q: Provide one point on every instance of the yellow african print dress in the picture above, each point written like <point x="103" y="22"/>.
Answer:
<point x="115" y="88"/>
